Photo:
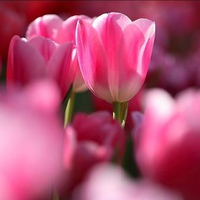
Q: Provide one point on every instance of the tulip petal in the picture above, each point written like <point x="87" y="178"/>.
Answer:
<point x="92" y="60"/>
<point x="130" y="81"/>
<point x="46" y="26"/>
<point x="109" y="28"/>
<point x="24" y="63"/>
<point x="67" y="30"/>
<point x="146" y="26"/>
<point x="44" y="45"/>
<point x="61" y="67"/>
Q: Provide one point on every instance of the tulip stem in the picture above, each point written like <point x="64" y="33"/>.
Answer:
<point x="69" y="108"/>
<point x="120" y="110"/>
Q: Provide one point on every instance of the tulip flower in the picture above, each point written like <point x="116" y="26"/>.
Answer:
<point x="167" y="141"/>
<point x="91" y="139"/>
<point x="31" y="145"/>
<point x="114" y="54"/>
<point x="46" y="26"/>
<point x="61" y="31"/>
<point x="40" y="58"/>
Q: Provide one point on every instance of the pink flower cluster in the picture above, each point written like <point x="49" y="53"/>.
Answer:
<point x="50" y="151"/>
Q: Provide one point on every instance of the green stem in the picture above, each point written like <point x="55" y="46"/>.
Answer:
<point x="69" y="109"/>
<point x="120" y="110"/>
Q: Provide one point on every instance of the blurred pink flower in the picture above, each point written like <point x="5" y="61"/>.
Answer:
<point x="40" y="58"/>
<point x="31" y="145"/>
<point x="91" y="139"/>
<point x="167" y="141"/>
<point x="61" y="31"/>
<point x="114" y="54"/>
<point x="109" y="182"/>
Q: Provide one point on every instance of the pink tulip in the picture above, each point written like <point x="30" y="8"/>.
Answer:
<point x="109" y="182"/>
<point x="40" y="58"/>
<point x="167" y="142"/>
<point x="114" y="54"/>
<point x="46" y="26"/>
<point x="91" y="139"/>
<point x="53" y="27"/>
<point x="31" y="146"/>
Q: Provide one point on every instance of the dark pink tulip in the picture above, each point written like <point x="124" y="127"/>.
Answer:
<point x="91" y="139"/>
<point x="109" y="182"/>
<point x="31" y="146"/>
<point x="40" y="58"/>
<point x="167" y="141"/>
<point x="61" y="31"/>
<point x="114" y="54"/>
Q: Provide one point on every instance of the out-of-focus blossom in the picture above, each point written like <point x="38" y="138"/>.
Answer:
<point x="114" y="54"/>
<point x="171" y="72"/>
<point x="38" y="58"/>
<point x="108" y="182"/>
<point x="31" y="145"/>
<point x="61" y="31"/>
<point x="167" y="141"/>
<point x="43" y="95"/>
<point x="91" y="139"/>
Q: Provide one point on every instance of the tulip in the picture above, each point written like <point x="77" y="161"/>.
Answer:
<point x="31" y="145"/>
<point x="114" y="54"/>
<point x="53" y="27"/>
<point x="61" y="31"/>
<point x="91" y="139"/>
<point x="167" y="141"/>
<point x="46" y="26"/>
<point x="39" y="58"/>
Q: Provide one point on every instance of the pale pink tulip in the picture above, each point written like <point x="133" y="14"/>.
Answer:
<point x="109" y="182"/>
<point x="31" y="146"/>
<point x="40" y="58"/>
<point x="61" y="31"/>
<point x="46" y="26"/>
<point x="114" y="54"/>
<point x="91" y="139"/>
<point x="167" y="141"/>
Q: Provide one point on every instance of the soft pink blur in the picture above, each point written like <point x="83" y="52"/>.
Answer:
<point x="167" y="141"/>
<point x="31" y="144"/>
<point x="39" y="58"/>
<point x="109" y="182"/>
<point x="114" y="54"/>
<point x="61" y="31"/>
<point x="91" y="139"/>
